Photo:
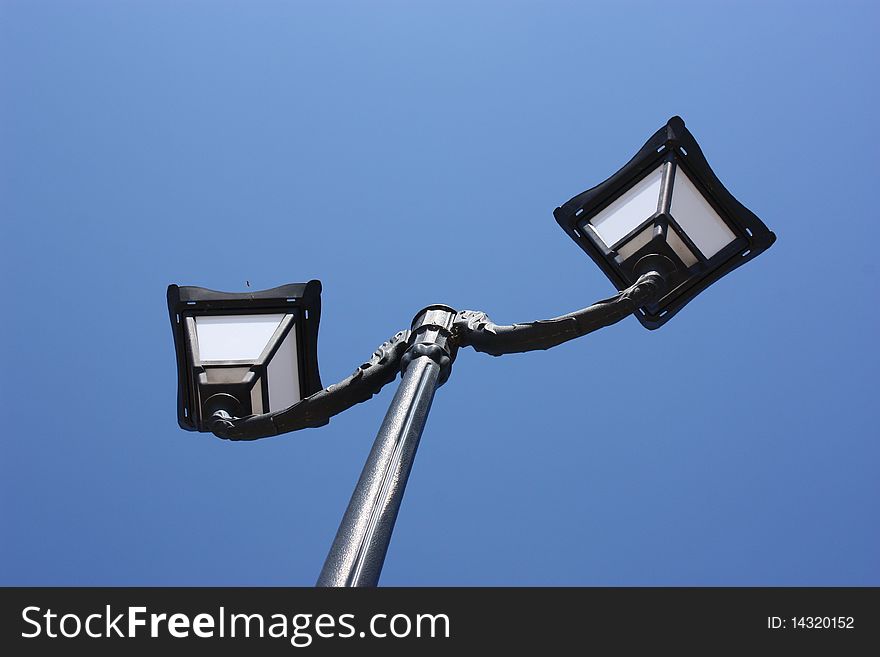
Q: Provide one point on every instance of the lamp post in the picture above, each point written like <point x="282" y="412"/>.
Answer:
<point x="359" y="549"/>
<point x="663" y="228"/>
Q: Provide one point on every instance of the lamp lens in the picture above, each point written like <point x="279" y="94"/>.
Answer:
<point x="282" y="374"/>
<point x="697" y="218"/>
<point x="630" y="210"/>
<point x="234" y="337"/>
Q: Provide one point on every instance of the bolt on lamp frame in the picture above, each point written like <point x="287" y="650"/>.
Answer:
<point x="654" y="283"/>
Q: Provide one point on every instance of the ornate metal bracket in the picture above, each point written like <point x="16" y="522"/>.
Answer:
<point x="475" y="329"/>
<point x="468" y="329"/>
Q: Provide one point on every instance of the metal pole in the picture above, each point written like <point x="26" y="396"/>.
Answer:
<point x="359" y="549"/>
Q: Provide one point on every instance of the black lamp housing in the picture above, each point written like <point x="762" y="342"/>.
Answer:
<point x="666" y="237"/>
<point x="280" y="323"/>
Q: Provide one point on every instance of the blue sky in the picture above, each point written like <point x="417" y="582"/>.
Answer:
<point x="412" y="153"/>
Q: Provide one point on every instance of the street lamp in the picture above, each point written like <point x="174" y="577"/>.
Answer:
<point x="663" y="228"/>
<point x="665" y="210"/>
<point x="243" y="354"/>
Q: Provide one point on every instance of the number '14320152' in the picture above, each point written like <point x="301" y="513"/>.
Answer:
<point x="811" y="623"/>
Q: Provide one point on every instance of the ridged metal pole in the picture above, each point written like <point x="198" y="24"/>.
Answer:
<point x="361" y="543"/>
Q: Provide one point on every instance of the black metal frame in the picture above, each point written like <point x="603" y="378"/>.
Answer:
<point x="671" y="147"/>
<point x="299" y="302"/>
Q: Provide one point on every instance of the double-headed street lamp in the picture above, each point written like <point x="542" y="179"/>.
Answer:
<point x="663" y="228"/>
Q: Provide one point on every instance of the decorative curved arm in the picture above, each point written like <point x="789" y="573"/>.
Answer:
<point x="317" y="409"/>
<point x="469" y="329"/>
<point x="475" y="329"/>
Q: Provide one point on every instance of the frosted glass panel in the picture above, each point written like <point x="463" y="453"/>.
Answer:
<point x="636" y="243"/>
<point x="681" y="249"/>
<point x="226" y="374"/>
<point x="282" y="374"/>
<point x="697" y="218"/>
<point x="630" y="210"/>
<point x="235" y="337"/>
<point x="257" y="397"/>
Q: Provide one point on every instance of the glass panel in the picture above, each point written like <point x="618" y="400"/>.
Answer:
<point x="636" y="243"/>
<point x="226" y="374"/>
<point x="630" y="210"/>
<point x="697" y="217"/>
<point x="235" y="337"/>
<point x="681" y="249"/>
<point x="282" y="374"/>
<point x="257" y="397"/>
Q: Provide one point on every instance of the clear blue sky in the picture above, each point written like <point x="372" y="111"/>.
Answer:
<point x="407" y="155"/>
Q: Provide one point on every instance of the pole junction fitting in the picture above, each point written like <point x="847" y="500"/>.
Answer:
<point x="431" y="335"/>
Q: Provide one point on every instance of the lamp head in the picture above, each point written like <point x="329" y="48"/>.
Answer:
<point x="243" y="353"/>
<point x="665" y="210"/>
